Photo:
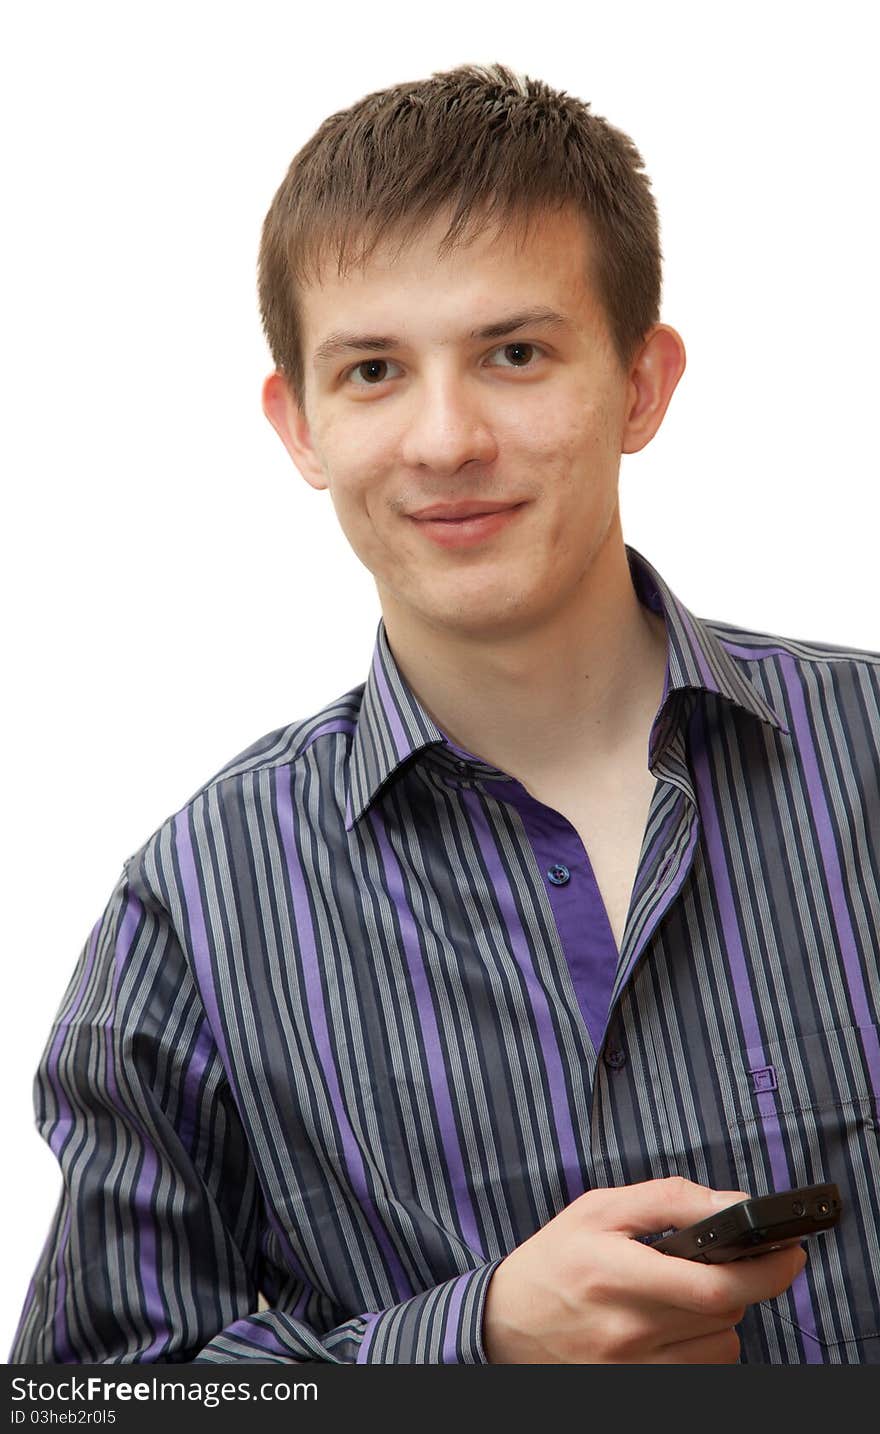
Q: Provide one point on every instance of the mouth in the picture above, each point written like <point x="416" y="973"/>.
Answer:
<point x="467" y="532"/>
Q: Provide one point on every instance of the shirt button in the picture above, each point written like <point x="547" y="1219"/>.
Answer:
<point x="615" y="1059"/>
<point x="461" y="766"/>
<point x="559" y="874"/>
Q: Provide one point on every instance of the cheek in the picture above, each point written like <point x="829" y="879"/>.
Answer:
<point x="354" y="504"/>
<point x="356" y="456"/>
<point x="572" y="452"/>
<point x="575" y="425"/>
<point x="333" y="443"/>
<point x="347" y="463"/>
<point x="359" y="493"/>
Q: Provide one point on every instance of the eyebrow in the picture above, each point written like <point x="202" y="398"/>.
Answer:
<point x="340" y="343"/>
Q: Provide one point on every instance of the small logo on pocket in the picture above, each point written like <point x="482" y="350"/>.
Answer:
<point x="763" y="1078"/>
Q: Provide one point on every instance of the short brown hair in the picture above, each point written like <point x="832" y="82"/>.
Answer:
<point x="499" y="147"/>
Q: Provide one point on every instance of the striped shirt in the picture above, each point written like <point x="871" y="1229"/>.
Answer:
<point x="353" y="1024"/>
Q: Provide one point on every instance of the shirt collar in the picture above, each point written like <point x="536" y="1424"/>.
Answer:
<point x="393" y="727"/>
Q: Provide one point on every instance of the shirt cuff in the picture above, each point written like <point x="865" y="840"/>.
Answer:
<point x="443" y="1325"/>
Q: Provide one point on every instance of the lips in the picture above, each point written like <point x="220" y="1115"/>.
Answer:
<point x="457" y="512"/>
<point x="471" y="530"/>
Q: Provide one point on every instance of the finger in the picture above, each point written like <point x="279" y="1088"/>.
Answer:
<point x="763" y="1277"/>
<point x="722" y="1347"/>
<point x="653" y="1205"/>
<point x="713" y="1289"/>
<point x="651" y="1327"/>
<point x="709" y="1290"/>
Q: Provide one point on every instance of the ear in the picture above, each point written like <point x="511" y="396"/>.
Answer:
<point x="291" y="425"/>
<point x="653" y="377"/>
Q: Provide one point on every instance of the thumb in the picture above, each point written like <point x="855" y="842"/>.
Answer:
<point x="653" y="1205"/>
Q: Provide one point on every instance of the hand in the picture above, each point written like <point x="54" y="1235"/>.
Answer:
<point x="581" y="1291"/>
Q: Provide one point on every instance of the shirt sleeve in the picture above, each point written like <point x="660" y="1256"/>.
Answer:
<point x="160" y="1244"/>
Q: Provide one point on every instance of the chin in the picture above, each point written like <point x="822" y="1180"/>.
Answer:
<point x="488" y="619"/>
<point x="475" y="607"/>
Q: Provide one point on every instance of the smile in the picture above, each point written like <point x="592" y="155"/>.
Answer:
<point x="466" y="532"/>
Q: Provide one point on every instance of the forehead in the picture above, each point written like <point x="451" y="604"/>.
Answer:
<point x="408" y="284"/>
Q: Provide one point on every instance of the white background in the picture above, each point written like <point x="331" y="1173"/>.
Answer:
<point x="172" y="588"/>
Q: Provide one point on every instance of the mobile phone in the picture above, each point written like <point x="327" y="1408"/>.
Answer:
<point x="755" y="1226"/>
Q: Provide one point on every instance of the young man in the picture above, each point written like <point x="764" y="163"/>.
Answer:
<point x="559" y="930"/>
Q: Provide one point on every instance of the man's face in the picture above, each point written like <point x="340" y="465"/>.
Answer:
<point x="440" y="413"/>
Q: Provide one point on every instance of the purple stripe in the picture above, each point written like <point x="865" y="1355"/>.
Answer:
<point x="733" y="948"/>
<point x="560" y="1111"/>
<point x="430" y="1039"/>
<point x="367" y="1337"/>
<point x="308" y="956"/>
<point x="338" y="724"/>
<point x="254" y="1330"/>
<point x="190" y="1103"/>
<point x="585" y="933"/>
<point x="453" y="1319"/>
<point x="834" y="879"/>
<point x="201" y="957"/>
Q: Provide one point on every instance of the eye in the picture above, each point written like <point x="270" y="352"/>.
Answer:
<point x="369" y="372"/>
<point x="518" y="354"/>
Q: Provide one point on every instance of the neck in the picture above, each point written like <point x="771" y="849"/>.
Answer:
<point x="586" y="682"/>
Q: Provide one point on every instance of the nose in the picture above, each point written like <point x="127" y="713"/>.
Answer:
<point x="447" y="426"/>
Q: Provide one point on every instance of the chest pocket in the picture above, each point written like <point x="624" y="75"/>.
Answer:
<point x="796" y="1110"/>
